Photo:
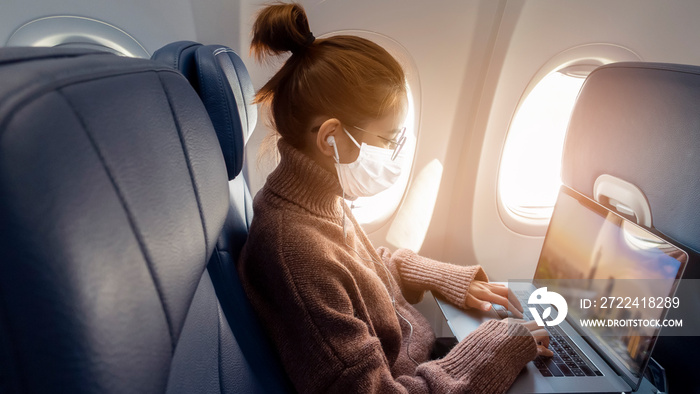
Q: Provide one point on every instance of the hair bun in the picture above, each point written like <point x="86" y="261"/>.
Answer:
<point x="280" y="28"/>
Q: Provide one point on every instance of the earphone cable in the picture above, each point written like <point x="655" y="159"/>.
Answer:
<point x="390" y="288"/>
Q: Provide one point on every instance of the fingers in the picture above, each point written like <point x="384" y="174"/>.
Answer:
<point x="476" y="303"/>
<point x="514" y="304"/>
<point x="483" y="294"/>
<point x="541" y="337"/>
<point x="543" y="351"/>
<point x="514" y="300"/>
<point x="479" y="296"/>
<point x="531" y="325"/>
<point x="486" y="294"/>
<point x="515" y="311"/>
<point x="495" y="293"/>
<point x="542" y="340"/>
<point x="494" y="298"/>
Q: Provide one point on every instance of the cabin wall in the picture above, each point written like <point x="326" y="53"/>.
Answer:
<point x="531" y="33"/>
<point x="153" y="23"/>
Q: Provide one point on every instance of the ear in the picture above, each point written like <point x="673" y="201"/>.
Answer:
<point x="330" y="127"/>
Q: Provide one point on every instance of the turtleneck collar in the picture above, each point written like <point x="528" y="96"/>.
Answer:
<point x="300" y="180"/>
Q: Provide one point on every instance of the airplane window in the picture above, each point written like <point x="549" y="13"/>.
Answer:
<point x="529" y="173"/>
<point x="77" y="32"/>
<point x="373" y="212"/>
<point x="530" y="178"/>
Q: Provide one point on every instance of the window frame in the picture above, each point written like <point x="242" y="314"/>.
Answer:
<point x="77" y="31"/>
<point x="576" y="60"/>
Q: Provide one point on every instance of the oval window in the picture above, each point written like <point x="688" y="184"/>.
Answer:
<point x="77" y="32"/>
<point x="529" y="176"/>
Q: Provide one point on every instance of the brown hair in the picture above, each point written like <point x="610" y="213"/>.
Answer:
<point x="346" y="77"/>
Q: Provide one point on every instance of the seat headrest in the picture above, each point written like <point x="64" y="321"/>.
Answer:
<point x="222" y="81"/>
<point x="639" y="122"/>
<point x="112" y="196"/>
<point x="180" y="56"/>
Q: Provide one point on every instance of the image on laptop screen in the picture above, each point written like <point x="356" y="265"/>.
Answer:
<point x="594" y="254"/>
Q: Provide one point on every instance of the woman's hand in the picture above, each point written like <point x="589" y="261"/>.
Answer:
<point x="540" y="334"/>
<point x="482" y="294"/>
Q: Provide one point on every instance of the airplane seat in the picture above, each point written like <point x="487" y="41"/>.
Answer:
<point x="221" y="79"/>
<point x="638" y="123"/>
<point x="180" y="56"/>
<point x="113" y="194"/>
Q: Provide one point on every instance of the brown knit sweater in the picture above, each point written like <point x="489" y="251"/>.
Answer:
<point x="328" y="308"/>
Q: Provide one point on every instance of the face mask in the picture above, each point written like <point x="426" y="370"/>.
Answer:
<point x="371" y="173"/>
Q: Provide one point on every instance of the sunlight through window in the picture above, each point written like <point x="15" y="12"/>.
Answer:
<point x="530" y="173"/>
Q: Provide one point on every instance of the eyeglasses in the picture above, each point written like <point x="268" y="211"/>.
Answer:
<point x="397" y="142"/>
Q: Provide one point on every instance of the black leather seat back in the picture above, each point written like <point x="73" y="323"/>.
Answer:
<point x="222" y="81"/>
<point x="640" y="122"/>
<point x="219" y="76"/>
<point x="113" y="194"/>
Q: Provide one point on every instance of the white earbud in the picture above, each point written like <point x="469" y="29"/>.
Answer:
<point x="331" y="141"/>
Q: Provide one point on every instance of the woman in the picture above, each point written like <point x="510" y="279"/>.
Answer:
<point x="338" y="310"/>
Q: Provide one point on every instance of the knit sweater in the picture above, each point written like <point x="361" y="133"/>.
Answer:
<point x="331" y="305"/>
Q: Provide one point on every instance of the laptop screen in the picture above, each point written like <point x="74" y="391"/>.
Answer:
<point x="618" y="268"/>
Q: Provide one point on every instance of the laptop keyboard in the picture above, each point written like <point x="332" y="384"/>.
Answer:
<point x="568" y="359"/>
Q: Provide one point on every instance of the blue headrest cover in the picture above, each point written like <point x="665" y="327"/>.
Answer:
<point x="180" y="56"/>
<point x="222" y="81"/>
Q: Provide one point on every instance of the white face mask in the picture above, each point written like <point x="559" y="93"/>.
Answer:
<point x="372" y="172"/>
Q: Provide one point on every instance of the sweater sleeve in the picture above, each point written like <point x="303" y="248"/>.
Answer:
<point x="486" y="361"/>
<point x="416" y="274"/>
<point x="328" y="347"/>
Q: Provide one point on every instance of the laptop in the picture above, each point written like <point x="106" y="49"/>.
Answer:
<point x="595" y="265"/>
